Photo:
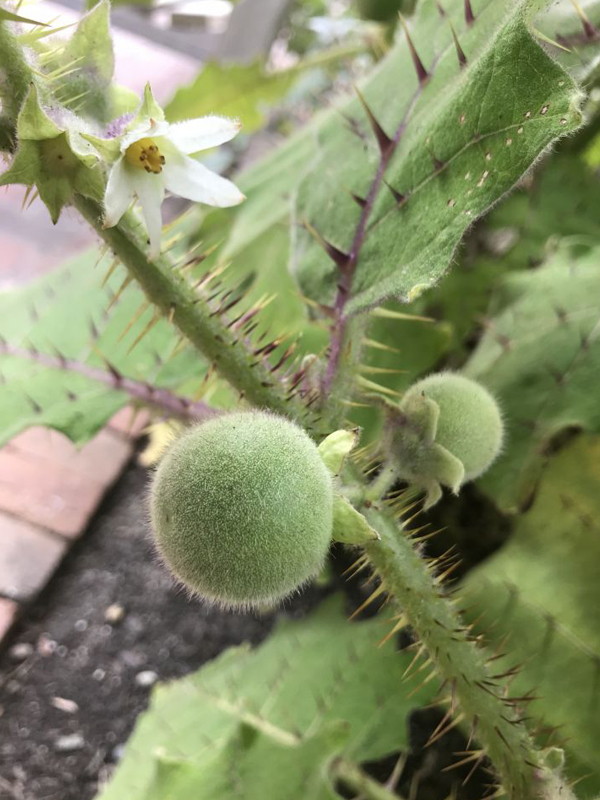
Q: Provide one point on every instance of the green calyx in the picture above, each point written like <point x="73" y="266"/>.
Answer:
<point x="349" y="525"/>
<point x="53" y="157"/>
<point x="446" y="431"/>
<point x="242" y="509"/>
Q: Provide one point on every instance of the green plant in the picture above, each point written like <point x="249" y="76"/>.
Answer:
<point x="368" y="202"/>
<point x="447" y="430"/>
<point x="242" y="508"/>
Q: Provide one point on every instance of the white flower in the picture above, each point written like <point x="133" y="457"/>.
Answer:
<point x="154" y="157"/>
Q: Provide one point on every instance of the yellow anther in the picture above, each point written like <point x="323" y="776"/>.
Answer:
<point x="144" y="154"/>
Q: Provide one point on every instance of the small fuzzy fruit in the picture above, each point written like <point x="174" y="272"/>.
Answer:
<point x="447" y="430"/>
<point x="242" y="509"/>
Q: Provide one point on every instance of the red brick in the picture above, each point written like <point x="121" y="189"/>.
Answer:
<point x="8" y="614"/>
<point x="102" y="459"/>
<point x="28" y="557"/>
<point x="47" y="482"/>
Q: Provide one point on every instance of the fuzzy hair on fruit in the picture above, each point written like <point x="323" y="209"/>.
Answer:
<point x="242" y="509"/>
<point x="446" y="431"/>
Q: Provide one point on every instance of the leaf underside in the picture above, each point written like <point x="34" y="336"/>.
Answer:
<point x="538" y="599"/>
<point x="539" y="356"/>
<point x="266" y="723"/>
<point x="66" y="315"/>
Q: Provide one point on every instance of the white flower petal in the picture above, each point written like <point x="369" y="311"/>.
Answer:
<point x="193" y="135"/>
<point x="119" y="194"/>
<point x="188" y="178"/>
<point x="151" y="193"/>
<point x="150" y="129"/>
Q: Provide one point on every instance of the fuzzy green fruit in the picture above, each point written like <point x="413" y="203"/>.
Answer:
<point x="469" y="423"/>
<point x="447" y="430"/>
<point x="242" y="509"/>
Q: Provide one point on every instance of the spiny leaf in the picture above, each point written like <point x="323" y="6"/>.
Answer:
<point x="539" y="357"/>
<point x="64" y="316"/>
<point x="289" y="693"/>
<point x="542" y="592"/>
<point x="459" y="149"/>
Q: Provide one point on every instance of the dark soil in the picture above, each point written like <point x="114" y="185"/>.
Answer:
<point x="79" y="656"/>
<point x="68" y="706"/>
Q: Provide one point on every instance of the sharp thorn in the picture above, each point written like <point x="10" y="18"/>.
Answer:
<point x="359" y="200"/>
<point x="588" y="28"/>
<point x="422" y="74"/>
<point x="152" y="322"/>
<point x="460" y="53"/>
<point x="398" y="196"/>
<point x="383" y="140"/>
<point x="438" y="164"/>
<point x="469" y="16"/>
<point x="440" y="8"/>
<point x="113" y="371"/>
<point x="337" y="256"/>
<point x="379" y="345"/>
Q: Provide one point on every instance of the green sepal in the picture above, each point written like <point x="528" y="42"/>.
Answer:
<point x="410" y="441"/>
<point x="56" y="161"/>
<point x="423" y="413"/>
<point x="335" y="448"/>
<point x="55" y="194"/>
<point x="35" y="125"/>
<point x="109" y="149"/>
<point x="25" y="166"/>
<point x="33" y="122"/>
<point x="149" y="109"/>
<point x="349" y="526"/>
<point x="90" y="183"/>
<point x="123" y="100"/>
<point x="441" y="467"/>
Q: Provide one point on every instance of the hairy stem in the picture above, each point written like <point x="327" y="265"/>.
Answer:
<point x="249" y="373"/>
<point x="334" y="373"/>
<point x="477" y="696"/>
<point x="15" y="75"/>
<point x="7" y="133"/>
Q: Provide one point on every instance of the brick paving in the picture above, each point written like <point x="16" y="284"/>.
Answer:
<point x="49" y="490"/>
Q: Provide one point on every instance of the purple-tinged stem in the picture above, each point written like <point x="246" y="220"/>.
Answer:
<point x="171" y="404"/>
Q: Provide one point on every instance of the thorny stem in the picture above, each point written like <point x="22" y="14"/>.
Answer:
<point x="246" y="370"/>
<point x="476" y="696"/>
<point x="162" y="399"/>
<point x="16" y="75"/>
<point x="384" y="481"/>
<point x="341" y="320"/>
<point x="7" y="133"/>
<point x="219" y="342"/>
